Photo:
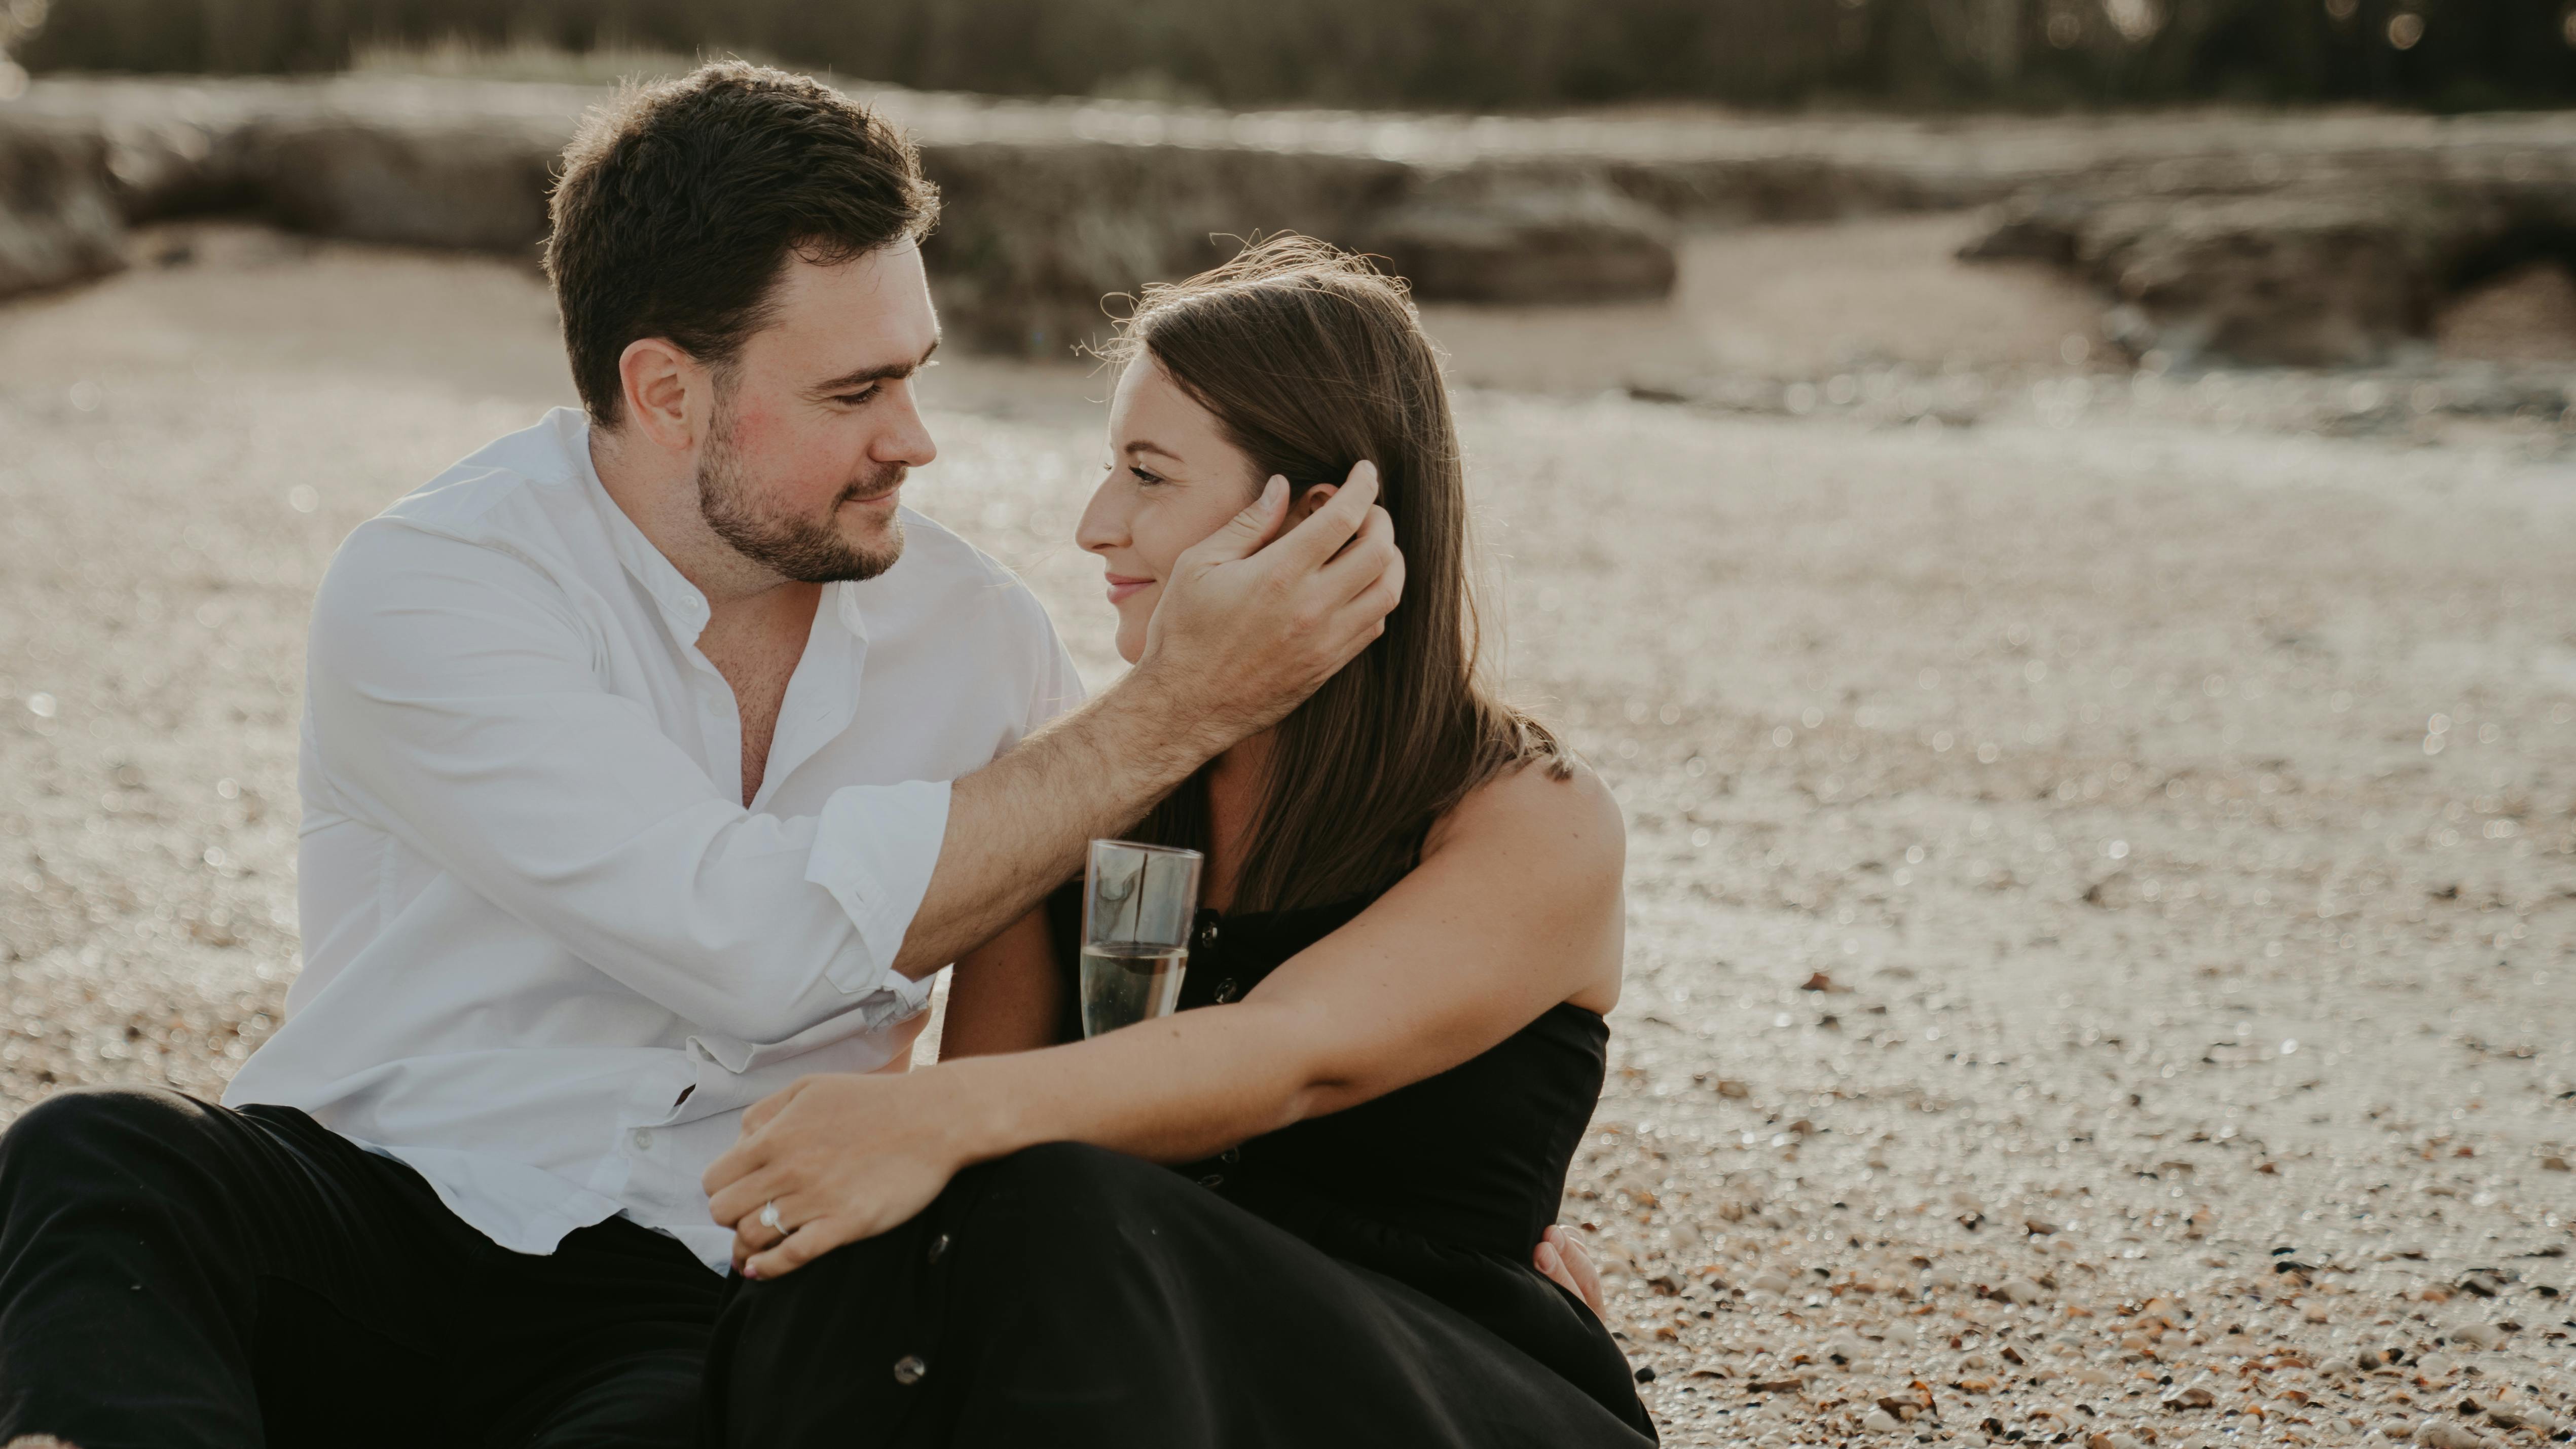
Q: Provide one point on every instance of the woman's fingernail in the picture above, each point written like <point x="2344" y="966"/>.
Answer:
<point x="751" y="1270"/>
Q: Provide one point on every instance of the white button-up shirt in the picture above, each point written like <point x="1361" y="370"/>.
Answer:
<point x="549" y="956"/>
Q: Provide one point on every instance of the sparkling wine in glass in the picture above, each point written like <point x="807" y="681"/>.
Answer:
<point x="1138" y="903"/>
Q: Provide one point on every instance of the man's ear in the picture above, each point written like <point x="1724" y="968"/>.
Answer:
<point x="658" y="378"/>
<point x="1307" y="502"/>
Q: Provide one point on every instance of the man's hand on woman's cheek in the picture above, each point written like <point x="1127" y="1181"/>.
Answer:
<point x="1250" y="624"/>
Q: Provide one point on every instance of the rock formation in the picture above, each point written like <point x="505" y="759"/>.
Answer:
<point x="58" y="219"/>
<point x="1507" y="237"/>
<point x="2321" y="239"/>
<point x="2343" y="261"/>
<point x="1048" y="211"/>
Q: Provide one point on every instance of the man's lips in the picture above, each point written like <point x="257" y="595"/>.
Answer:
<point x="878" y="496"/>
<point x="1121" y="587"/>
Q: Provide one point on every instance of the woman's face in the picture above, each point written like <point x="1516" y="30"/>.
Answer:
<point x="1173" y="479"/>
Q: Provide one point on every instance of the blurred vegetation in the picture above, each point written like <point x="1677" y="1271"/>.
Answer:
<point x="1513" y="54"/>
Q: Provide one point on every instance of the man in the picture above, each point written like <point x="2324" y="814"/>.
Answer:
<point x="653" y="757"/>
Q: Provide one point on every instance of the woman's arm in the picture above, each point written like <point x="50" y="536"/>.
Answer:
<point x="1006" y="994"/>
<point x="1515" y="908"/>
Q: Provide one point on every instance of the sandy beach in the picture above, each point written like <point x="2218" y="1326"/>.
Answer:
<point x="2102" y="884"/>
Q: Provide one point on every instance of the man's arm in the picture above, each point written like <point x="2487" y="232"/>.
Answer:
<point x="456" y="703"/>
<point x="1244" y="633"/>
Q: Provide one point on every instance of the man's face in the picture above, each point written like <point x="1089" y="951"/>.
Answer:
<point x="816" y="426"/>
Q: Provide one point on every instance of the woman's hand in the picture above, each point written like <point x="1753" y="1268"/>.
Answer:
<point x="1563" y="1260"/>
<point x="844" y="1157"/>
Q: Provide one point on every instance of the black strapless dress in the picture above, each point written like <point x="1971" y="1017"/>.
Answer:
<point x="1361" y="1278"/>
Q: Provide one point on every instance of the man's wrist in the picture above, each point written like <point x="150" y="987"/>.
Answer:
<point x="1176" y="719"/>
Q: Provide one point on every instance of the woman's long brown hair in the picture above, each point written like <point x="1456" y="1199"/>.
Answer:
<point x="1311" y="361"/>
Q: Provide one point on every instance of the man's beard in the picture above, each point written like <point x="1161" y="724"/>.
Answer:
<point x="792" y="548"/>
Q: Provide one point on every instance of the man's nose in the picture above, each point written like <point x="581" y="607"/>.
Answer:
<point x="906" y="439"/>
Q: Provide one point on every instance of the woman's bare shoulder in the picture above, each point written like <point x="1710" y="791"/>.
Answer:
<point x="1551" y="810"/>
<point x="1548" y="839"/>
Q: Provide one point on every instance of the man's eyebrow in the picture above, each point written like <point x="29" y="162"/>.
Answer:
<point x="889" y="372"/>
<point x="1141" y="446"/>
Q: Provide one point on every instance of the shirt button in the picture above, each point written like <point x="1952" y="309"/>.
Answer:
<point x="909" y="1370"/>
<point x="1231" y="1154"/>
<point x="642" y="1137"/>
<point x="1225" y="991"/>
<point x="938" y="1246"/>
<point x="1207" y="935"/>
<point x="1213" y="1179"/>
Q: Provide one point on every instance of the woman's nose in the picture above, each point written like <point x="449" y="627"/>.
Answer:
<point x="1104" y="519"/>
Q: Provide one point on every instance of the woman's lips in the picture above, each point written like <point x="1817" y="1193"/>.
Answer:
<point x="1120" y="587"/>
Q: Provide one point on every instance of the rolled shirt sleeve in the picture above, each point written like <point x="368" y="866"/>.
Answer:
<point x="875" y="847"/>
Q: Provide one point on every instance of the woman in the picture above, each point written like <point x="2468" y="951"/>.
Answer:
<point x="1390" y="1045"/>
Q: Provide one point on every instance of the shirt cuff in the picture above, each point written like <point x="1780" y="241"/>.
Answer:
<point x="875" y="847"/>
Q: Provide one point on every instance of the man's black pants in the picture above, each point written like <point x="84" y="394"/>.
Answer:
<point x="175" y="1275"/>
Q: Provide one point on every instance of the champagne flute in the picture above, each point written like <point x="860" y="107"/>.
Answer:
<point x="1138" y="904"/>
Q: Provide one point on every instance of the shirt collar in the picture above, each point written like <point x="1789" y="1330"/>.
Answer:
<point x="843" y="600"/>
<point x="683" y="607"/>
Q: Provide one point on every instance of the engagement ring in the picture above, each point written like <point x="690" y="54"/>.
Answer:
<point x="769" y="1217"/>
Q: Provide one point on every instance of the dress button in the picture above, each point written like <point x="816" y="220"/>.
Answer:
<point x="1225" y="991"/>
<point x="938" y="1247"/>
<point x="1207" y="935"/>
<point x="1213" y="1179"/>
<point x="909" y="1370"/>
<point x="1231" y="1154"/>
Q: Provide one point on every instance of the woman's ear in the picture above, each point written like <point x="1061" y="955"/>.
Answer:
<point x="1307" y="502"/>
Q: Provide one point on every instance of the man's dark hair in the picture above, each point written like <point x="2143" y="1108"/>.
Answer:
<point x="681" y="200"/>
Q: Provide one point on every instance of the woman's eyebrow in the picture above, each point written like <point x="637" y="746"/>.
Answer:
<point x="1141" y="446"/>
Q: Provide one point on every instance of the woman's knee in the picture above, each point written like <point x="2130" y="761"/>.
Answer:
<point x="1051" y="1203"/>
<point x="1065" y="1198"/>
<point x="1071" y="1173"/>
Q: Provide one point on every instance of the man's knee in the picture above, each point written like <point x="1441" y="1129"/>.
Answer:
<point x="72" y="1135"/>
